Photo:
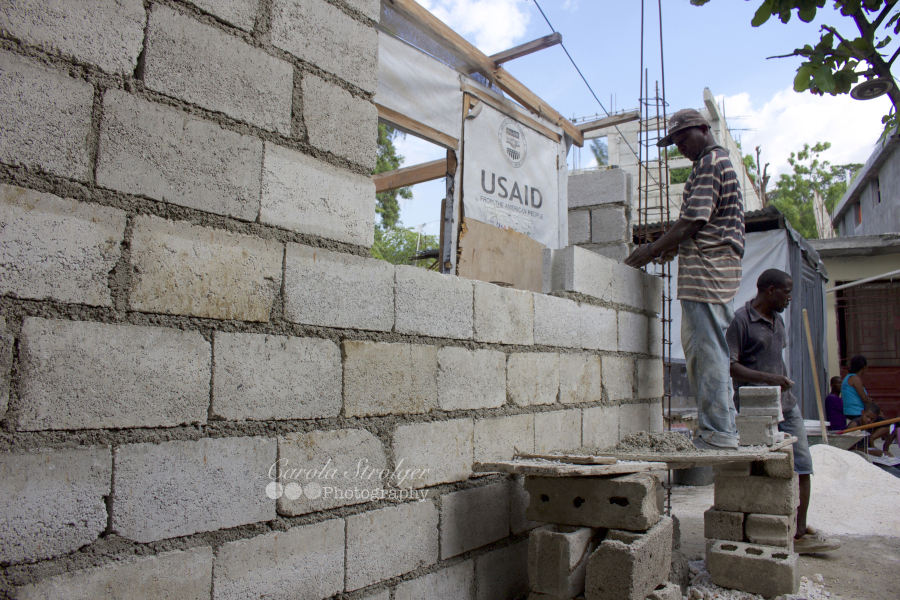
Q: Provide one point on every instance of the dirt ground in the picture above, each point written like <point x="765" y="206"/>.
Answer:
<point x="864" y="568"/>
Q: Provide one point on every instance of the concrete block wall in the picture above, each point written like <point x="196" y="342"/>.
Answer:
<point x="205" y="379"/>
<point x="600" y="218"/>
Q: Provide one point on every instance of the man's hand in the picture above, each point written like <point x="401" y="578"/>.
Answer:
<point x="780" y="380"/>
<point x="640" y="257"/>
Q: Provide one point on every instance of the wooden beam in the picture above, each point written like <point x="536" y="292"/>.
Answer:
<point x="476" y="58"/>
<point x="610" y="121"/>
<point x="399" y="178"/>
<point x="506" y="107"/>
<point x="548" y="41"/>
<point x="413" y="127"/>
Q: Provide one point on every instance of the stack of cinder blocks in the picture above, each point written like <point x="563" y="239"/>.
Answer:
<point x="757" y="421"/>
<point x="751" y="527"/>
<point x="605" y="540"/>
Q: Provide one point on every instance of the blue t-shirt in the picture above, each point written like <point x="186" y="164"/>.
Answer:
<point x="853" y="404"/>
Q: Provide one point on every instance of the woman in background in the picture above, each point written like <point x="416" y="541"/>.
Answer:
<point x="853" y="393"/>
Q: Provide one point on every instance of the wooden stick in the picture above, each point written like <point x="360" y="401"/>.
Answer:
<point x="878" y="424"/>
<point x="506" y="107"/>
<point x="815" y="374"/>
<point x="399" y="178"/>
<point x="610" y="121"/>
<point x="527" y="48"/>
<point x="572" y="459"/>
<point x="413" y="127"/>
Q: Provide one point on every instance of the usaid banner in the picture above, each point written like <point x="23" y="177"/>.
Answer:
<point x="510" y="177"/>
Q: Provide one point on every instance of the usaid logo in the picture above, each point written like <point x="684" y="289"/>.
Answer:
<point x="512" y="142"/>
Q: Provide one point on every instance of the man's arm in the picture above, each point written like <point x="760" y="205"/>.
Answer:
<point x="739" y="371"/>
<point x="681" y="231"/>
<point x="857" y="384"/>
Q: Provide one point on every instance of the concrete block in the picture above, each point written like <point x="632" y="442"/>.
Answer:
<point x="45" y="118"/>
<point x="756" y="431"/>
<point x="333" y="289"/>
<point x="612" y="186"/>
<point x="657" y="422"/>
<point x="418" y="310"/>
<point x="166" y="154"/>
<point x="333" y="468"/>
<point x="633" y="418"/>
<point x="634" y="333"/>
<point x="557" y="431"/>
<point x="626" y="502"/>
<point x="7" y="342"/>
<point x="502" y="574"/>
<point x="723" y="525"/>
<point x="597" y="328"/>
<point x="629" y="566"/>
<point x="580" y="378"/>
<point x="385" y="379"/>
<point x="390" y="541"/>
<point x="765" y="396"/>
<point x="106" y="33"/>
<point x="503" y="315"/>
<point x="184" y="269"/>
<point x="322" y="34"/>
<point x="618" y="378"/>
<point x="557" y="558"/>
<point x="500" y="438"/>
<point x="779" y="464"/>
<point x="370" y="8"/>
<point x="203" y="65"/>
<point x="579" y="227"/>
<point x="339" y="122"/>
<point x="771" y="411"/>
<point x="518" y="504"/>
<point x="302" y="562"/>
<point x="556" y="321"/>
<point x="57" y="249"/>
<point x="178" y="488"/>
<point x="445" y="448"/>
<point x="470" y="379"/>
<point x="532" y="378"/>
<point x="770" y="530"/>
<point x="755" y="569"/>
<point x="656" y="334"/>
<point x="175" y="575"/>
<point x="610" y="224"/>
<point x="473" y="518"/>
<point x="306" y="195"/>
<point x="616" y="252"/>
<point x="51" y="502"/>
<point x="754" y="494"/>
<point x="271" y="377"/>
<point x="667" y="591"/>
<point x="650" y="378"/>
<point x="453" y="583"/>
<point x="83" y="375"/>
<point x="600" y="427"/>
<point x="240" y="13"/>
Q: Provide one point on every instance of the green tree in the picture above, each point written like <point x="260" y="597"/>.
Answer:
<point x="838" y="61"/>
<point x="388" y="205"/>
<point x="793" y="193"/>
<point x="600" y="150"/>
<point x="398" y="244"/>
<point x="681" y="174"/>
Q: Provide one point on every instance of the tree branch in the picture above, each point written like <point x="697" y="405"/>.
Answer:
<point x="887" y="10"/>
<point x="893" y="58"/>
<point x="849" y="46"/>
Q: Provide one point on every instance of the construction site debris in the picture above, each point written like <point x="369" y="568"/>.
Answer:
<point x="663" y="442"/>
<point x="702" y="588"/>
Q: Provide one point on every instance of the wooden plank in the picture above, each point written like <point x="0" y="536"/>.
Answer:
<point x="548" y="41"/>
<point x="878" y="424"/>
<point x="474" y="57"/>
<point x="413" y="127"/>
<point x="686" y="461"/>
<point x="507" y="108"/>
<point x="548" y="469"/>
<point x="610" y="121"/>
<point x="574" y="459"/>
<point x="492" y="254"/>
<point x="398" y="178"/>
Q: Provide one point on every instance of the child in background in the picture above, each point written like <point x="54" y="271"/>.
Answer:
<point x="834" y="407"/>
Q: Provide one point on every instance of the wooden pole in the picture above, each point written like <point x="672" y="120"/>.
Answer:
<point x="871" y="425"/>
<point x="812" y="360"/>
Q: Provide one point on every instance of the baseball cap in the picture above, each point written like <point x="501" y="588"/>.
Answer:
<point x="684" y="118"/>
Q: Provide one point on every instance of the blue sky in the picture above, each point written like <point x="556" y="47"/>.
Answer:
<point x="711" y="46"/>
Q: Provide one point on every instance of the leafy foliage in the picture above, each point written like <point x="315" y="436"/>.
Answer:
<point x="387" y="159"/>
<point x="837" y="62"/>
<point x="397" y="244"/>
<point x="600" y="150"/>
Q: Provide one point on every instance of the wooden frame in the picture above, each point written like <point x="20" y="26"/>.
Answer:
<point x="548" y="41"/>
<point x="500" y="104"/>
<point x="610" y="121"/>
<point x="399" y="178"/>
<point x="413" y="127"/>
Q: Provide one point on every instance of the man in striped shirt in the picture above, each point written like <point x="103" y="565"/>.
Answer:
<point x="709" y="239"/>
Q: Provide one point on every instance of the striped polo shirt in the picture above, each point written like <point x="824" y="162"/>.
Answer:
<point x="709" y="264"/>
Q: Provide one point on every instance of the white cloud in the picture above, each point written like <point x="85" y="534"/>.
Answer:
<point x="491" y="25"/>
<point x="788" y="120"/>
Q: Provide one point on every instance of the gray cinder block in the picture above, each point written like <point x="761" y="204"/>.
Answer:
<point x="766" y="495"/>
<point x="633" y="418"/>
<point x="321" y="34"/>
<point x="770" y="530"/>
<point x="618" y="377"/>
<point x="650" y="378"/>
<point x="723" y="525"/>
<point x="302" y="562"/>
<point x="55" y="248"/>
<point x="599" y="187"/>
<point x="240" y="13"/>
<point x="600" y="427"/>
<point x="445" y="448"/>
<point x="45" y="118"/>
<point x="779" y="464"/>
<point x="204" y="65"/>
<point x="85" y="375"/>
<point x="417" y="312"/>
<point x="765" y="396"/>
<point x="473" y="518"/>
<point x="755" y="569"/>
<point x="597" y="328"/>
<point x="626" y="502"/>
<point x="311" y="196"/>
<point x="559" y="430"/>
<point x="557" y="558"/>
<point x="384" y="379"/>
<point x="502" y="573"/>
<point x="51" y="502"/>
<point x="7" y="341"/>
<point x="556" y="321"/>
<point x="579" y="226"/>
<point x="457" y="581"/>
<point x="634" y="333"/>
<point x="756" y="431"/>
<point x="503" y="316"/>
<point x="176" y="574"/>
<point x="471" y="378"/>
<point x="500" y="438"/>
<point x="610" y="224"/>
<point x="629" y="566"/>
<point x="667" y="591"/>
<point x="579" y="378"/>
<point x="532" y="378"/>
<point x="339" y="122"/>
